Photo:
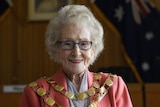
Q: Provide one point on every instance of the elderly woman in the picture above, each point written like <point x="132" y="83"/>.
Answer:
<point x="74" y="39"/>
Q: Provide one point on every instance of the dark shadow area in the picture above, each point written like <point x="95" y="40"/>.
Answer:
<point x="125" y="72"/>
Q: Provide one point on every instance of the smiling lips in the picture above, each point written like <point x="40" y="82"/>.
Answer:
<point x="76" y="61"/>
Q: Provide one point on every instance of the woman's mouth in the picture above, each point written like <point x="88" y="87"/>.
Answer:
<point x="76" y="61"/>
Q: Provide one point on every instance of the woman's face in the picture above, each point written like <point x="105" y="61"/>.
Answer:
<point x="74" y="61"/>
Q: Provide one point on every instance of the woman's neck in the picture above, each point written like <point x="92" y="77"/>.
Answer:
<point x="76" y="79"/>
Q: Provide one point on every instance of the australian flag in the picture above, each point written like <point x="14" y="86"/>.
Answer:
<point x="138" y="22"/>
<point x="4" y="8"/>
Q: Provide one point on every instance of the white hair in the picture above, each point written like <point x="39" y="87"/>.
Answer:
<point x="74" y="14"/>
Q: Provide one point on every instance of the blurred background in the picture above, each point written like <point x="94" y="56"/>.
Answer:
<point x="132" y="40"/>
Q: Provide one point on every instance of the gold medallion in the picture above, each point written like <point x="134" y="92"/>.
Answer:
<point x="97" y="76"/>
<point x="50" y="101"/>
<point x="70" y="95"/>
<point x="33" y="84"/>
<point x="93" y="105"/>
<point x="97" y="97"/>
<point x="58" y="88"/>
<point x="108" y="82"/>
<point x="96" y="85"/>
<point x="50" y="80"/>
<point x="41" y="91"/>
<point x="81" y="96"/>
<point x="91" y="92"/>
<point x="113" y="75"/>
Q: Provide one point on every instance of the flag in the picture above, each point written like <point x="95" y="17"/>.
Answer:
<point x="4" y="8"/>
<point x="138" y="24"/>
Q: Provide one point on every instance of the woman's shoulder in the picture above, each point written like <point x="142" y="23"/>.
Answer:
<point x="111" y="80"/>
<point x="40" y="83"/>
<point x="115" y="82"/>
<point x="114" y="77"/>
<point x="104" y="76"/>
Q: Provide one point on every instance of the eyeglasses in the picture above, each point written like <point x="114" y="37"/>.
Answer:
<point x="69" y="45"/>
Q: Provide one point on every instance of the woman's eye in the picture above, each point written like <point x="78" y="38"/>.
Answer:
<point x="68" y="43"/>
<point x="83" y="43"/>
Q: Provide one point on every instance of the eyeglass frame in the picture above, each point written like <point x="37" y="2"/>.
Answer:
<point x="74" y="43"/>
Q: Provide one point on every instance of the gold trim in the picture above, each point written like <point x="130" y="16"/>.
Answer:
<point x="32" y="84"/>
<point x="58" y="88"/>
<point x="94" y="92"/>
<point x="69" y="95"/>
<point x="50" y="101"/>
<point x="91" y="91"/>
<point x="108" y="82"/>
<point x="96" y="84"/>
<point x="93" y="105"/>
<point x="41" y="92"/>
<point x="81" y="96"/>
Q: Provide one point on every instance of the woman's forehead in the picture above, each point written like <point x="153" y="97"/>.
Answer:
<point x="74" y="31"/>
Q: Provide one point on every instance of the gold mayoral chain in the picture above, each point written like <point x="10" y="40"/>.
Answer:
<point x="95" y="91"/>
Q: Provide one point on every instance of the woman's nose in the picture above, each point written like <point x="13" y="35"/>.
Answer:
<point x="76" y="51"/>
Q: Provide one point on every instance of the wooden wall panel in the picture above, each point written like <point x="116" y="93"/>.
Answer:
<point x="23" y="54"/>
<point x="152" y="93"/>
<point x="8" y="48"/>
<point x="136" y="93"/>
<point x="10" y="99"/>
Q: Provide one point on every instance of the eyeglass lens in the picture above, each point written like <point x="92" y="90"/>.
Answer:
<point x="68" y="45"/>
